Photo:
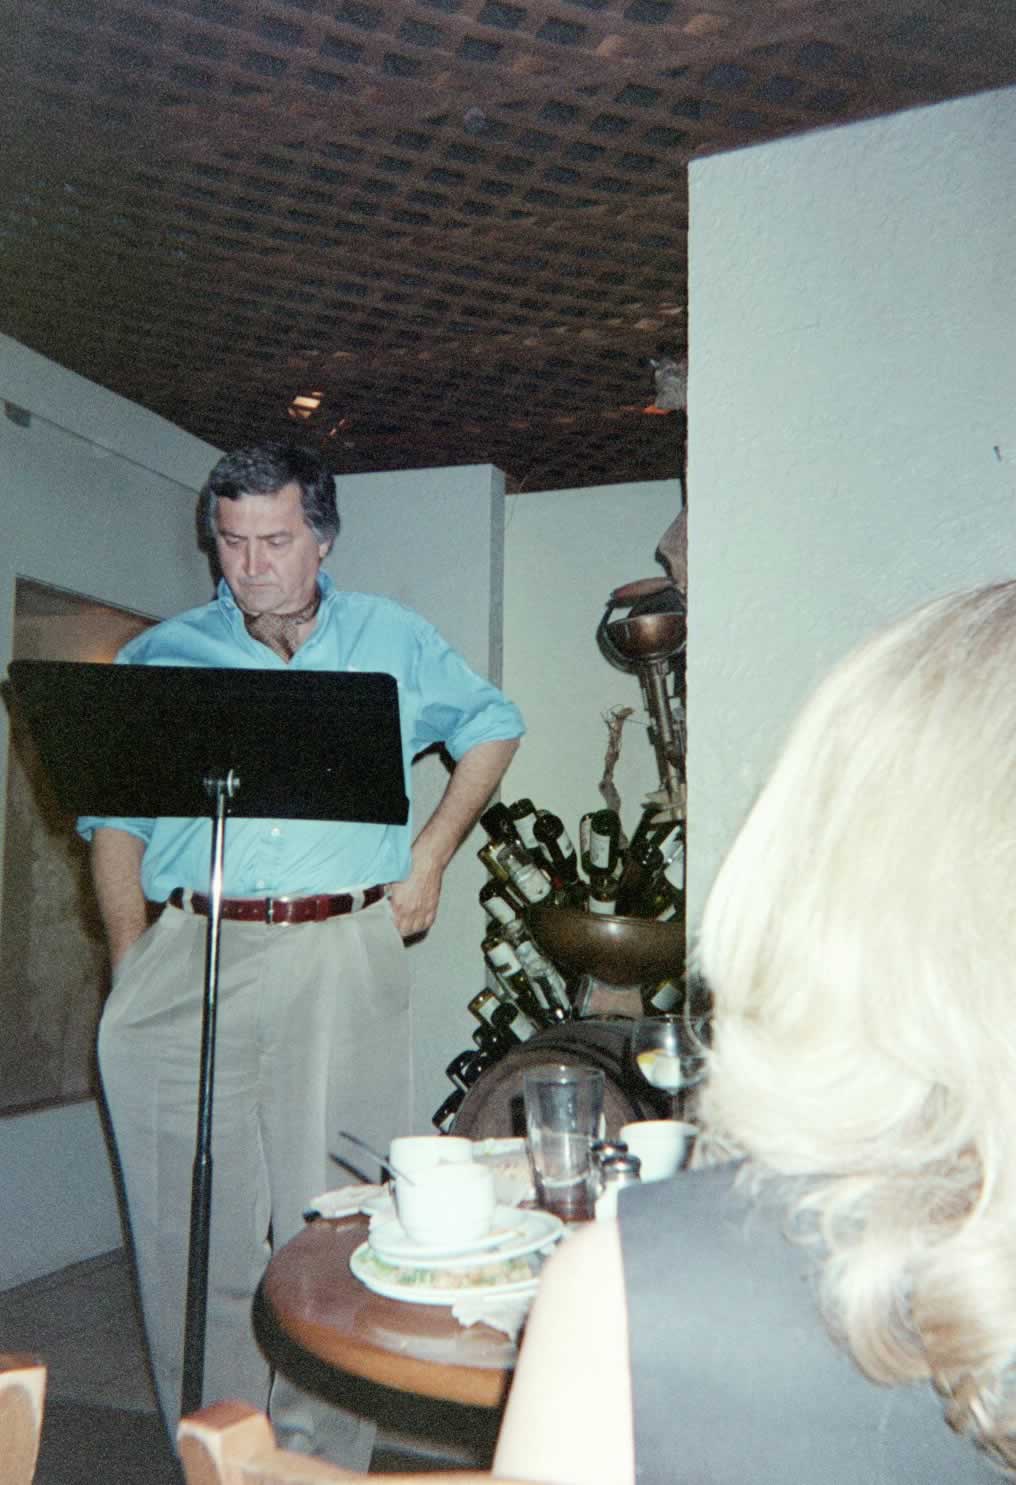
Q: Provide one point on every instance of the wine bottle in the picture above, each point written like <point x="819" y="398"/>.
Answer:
<point x="511" y="863"/>
<point x="602" y="893"/>
<point x="550" y="1004"/>
<point x="458" y="1070"/>
<point x="667" y="899"/>
<point x="482" y="1005"/>
<point x="499" y="902"/>
<point x="674" y="860"/>
<point x="644" y="830"/>
<point x="576" y="895"/>
<point x="528" y="879"/>
<point x="560" y="859"/>
<point x="548" y="979"/>
<point x="671" y="840"/>
<point x="492" y="861"/>
<point x="513" y="1021"/>
<point x="479" y="1062"/>
<point x="497" y="822"/>
<point x="444" y="1116"/>
<point x="523" y="817"/>
<point x="542" y="974"/>
<point x="509" y="974"/>
<point x="512" y="928"/>
<point x="556" y="847"/>
<point x="584" y="841"/>
<point x="491" y="1041"/>
<point x="637" y="890"/>
<point x="603" y="832"/>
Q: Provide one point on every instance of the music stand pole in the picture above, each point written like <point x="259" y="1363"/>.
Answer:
<point x="220" y="789"/>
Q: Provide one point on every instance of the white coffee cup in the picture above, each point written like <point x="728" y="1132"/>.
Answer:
<point x="417" y="1152"/>
<point x="660" y="1144"/>
<point x="447" y="1204"/>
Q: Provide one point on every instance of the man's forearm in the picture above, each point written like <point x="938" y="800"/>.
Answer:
<point x="475" y="777"/>
<point x="116" y="873"/>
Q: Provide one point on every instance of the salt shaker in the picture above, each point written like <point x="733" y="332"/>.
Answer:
<point x="602" y="1150"/>
<point x="616" y="1171"/>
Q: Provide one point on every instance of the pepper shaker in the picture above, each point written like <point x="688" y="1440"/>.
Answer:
<point x="616" y="1171"/>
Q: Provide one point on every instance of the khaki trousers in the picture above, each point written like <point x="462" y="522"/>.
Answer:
<point x="312" y="1036"/>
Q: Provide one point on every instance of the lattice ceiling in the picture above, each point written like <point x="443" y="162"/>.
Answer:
<point x="456" y="227"/>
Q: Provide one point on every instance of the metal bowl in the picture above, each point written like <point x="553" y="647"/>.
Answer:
<point x="619" y="951"/>
<point x="647" y="636"/>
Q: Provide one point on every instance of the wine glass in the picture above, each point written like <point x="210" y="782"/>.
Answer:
<point x="667" y="1055"/>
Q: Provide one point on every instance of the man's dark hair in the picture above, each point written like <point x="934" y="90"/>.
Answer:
<point x="263" y="469"/>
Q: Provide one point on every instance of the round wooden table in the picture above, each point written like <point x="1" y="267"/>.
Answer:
<point x="413" y="1348"/>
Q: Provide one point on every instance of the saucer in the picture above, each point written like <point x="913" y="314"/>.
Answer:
<point x="514" y="1234"/>
<point x="490" y="1278"/>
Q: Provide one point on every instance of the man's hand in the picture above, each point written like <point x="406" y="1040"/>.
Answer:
<point x="414" y="901"/>
<point x="474" y="779"/>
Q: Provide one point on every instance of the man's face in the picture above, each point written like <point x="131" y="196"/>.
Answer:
<point x="268" y="554"/>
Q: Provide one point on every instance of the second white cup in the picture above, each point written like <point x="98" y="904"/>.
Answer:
<point x="415" y="1152"/>
<point x="660" y="1144"/>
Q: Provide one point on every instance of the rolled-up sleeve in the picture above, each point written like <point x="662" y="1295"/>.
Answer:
<point x="459" y="708"/>
<point x="87" y="825"/>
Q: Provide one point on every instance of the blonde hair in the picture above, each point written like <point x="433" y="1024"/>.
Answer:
<point x="860" y="945"/>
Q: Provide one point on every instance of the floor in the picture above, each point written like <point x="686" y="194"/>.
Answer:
<point x="83" y="1322"/>
<point x="100" y="1421"/>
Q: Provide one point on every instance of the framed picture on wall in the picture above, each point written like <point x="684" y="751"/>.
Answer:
<point x="53" y="964"/>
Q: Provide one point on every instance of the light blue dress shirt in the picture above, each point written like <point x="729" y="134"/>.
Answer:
<point x="441" y="700"/>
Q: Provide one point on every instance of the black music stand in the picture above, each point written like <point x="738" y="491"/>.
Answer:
<point x="161" y="740"/>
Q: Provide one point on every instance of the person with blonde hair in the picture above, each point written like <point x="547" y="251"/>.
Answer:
<point x="830" y="1295"/>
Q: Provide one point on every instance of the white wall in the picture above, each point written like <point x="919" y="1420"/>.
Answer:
<point x="433" y="539"/>
<point x="442" y="541"/>
<point x="59" y="1203"/>
<point x="98" y="498"/>
<point x="565" y="552"/>
<point x="852" y="414"/>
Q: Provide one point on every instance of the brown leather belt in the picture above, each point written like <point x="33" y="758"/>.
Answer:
<point x="276" y="910"/>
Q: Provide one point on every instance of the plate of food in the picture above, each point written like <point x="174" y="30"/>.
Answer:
<point x="422" y="1285"/>
<point x="514" y="1234"/>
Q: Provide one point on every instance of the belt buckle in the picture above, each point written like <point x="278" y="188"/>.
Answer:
<point x="269" y="910"/>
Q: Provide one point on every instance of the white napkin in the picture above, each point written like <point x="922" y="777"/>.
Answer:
<point x="505" y="1314"/>
<point x="345" y="1201"/>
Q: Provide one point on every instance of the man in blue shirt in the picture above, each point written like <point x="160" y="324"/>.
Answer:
<point x="313" y="1020"/>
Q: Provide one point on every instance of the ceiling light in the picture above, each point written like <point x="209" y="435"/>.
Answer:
<point x="304" y="404"/>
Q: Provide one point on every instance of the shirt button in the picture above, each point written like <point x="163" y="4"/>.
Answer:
<point x="276" y="830"/>
<point x="260" y="885"/>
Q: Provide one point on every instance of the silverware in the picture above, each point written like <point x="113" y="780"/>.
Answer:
<point x="382" y="1160"/>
